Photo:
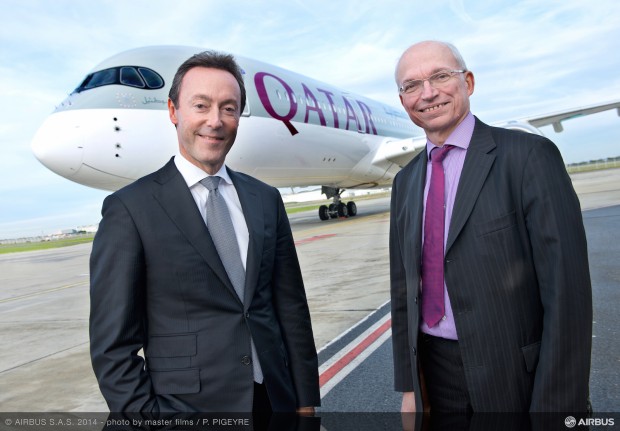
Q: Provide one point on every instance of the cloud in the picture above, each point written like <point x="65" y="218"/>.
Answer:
<point x="528" y="57"/>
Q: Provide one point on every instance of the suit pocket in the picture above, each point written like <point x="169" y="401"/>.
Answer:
<point x="531" y="354"/>
<point x="497" y="224"/>
<point x="185" y="381"/>
<point x="171" y="351"/>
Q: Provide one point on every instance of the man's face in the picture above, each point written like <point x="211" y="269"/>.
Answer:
<point x="207" y="116"/>
<point x="438" y="110"/>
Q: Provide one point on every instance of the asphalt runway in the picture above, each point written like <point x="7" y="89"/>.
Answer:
<point x="368" y="388"/>
<point x="45" y="365"/>
<point x="44" y="306"/>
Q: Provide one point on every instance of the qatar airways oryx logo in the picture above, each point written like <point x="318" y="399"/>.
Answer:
<point x="571" y="422"/>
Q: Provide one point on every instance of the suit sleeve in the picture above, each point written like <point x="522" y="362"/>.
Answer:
<point x="403" y="381"/>
<point x="558" y="241"/>
<point x="294" y="315"/>
<point x="117" y="316"/>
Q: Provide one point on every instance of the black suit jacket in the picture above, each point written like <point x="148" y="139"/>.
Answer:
<point x="158" y="284"/>
<point x="516" y="269"/>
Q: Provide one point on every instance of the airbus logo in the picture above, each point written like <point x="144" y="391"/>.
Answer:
<point x="571" y="422"/>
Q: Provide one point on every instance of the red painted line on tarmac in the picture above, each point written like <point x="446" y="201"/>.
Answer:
<point x="314" y="238"/>
<point x="329" y="373"/>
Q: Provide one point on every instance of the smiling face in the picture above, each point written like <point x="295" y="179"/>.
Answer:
<point x="437" y="110"/>
<point x="207" y="116"/>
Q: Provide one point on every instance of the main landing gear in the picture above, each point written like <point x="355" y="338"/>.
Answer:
<point x="337" y="208"/>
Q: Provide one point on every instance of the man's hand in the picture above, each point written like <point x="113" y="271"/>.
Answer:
<point x="408" y="405"/>
<point x="306" y="411"/>
<point x="407" y="411"/>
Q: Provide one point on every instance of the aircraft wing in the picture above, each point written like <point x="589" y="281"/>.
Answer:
<point x="398" y="151"/>
<point x="401" y="151"/>
<point x="556" y="118"/>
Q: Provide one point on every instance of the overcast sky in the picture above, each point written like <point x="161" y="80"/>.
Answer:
<point x="529" y="57"/>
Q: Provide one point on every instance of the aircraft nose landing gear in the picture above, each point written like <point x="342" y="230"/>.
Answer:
<point x="337" y="208"/>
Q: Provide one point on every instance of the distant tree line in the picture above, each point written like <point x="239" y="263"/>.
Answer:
<point x="609" y="162"/>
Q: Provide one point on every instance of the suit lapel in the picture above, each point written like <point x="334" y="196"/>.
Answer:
<point x="252" y="207"/>
<point x="177" y="201"/>
<point x="476" y="168"/>
<point x="415" y="195"/>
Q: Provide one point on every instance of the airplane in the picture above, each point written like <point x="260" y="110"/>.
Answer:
<point x="294" y="132"/>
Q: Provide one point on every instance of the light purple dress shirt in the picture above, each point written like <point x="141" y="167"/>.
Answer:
<point x="453" y="166"/>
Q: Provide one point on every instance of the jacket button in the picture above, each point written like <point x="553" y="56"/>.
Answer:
<point x="246" y="360"/>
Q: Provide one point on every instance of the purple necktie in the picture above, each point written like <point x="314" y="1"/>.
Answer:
<point x="432" y="249"/>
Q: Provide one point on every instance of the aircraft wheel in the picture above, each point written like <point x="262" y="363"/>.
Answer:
<point x="343" y="211"/>
<point x="333" y="210"/>
<point x="323" y="212"/>
<point x="352" y="209"/>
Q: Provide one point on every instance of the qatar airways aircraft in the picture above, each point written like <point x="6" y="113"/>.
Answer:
<point x="295" y="131"/>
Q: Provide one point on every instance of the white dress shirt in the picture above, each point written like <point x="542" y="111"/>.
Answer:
<point x="192" y="175"/>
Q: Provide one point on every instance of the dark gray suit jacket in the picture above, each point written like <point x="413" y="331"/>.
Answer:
<point x="516" y="269"/>
<point x="157" y="283"/>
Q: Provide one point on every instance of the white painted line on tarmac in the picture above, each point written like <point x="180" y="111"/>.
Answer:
<point x="339" y="366"/>
<point x="339" y="337"/>
<point x="42" y="292"/>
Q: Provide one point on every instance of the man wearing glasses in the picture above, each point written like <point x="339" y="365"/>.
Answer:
<point x="490" y="286"/>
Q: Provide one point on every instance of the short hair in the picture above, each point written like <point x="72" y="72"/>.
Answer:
<point x="455" y="53"/>
<point x="208" y="59"/>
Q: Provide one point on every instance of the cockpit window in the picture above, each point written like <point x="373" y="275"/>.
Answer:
<point x="98" y="79"/>
<point x="132" y="76"/>
<point x="152" y="78"/>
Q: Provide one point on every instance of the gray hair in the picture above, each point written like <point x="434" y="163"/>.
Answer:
<point x="455" y="53"/>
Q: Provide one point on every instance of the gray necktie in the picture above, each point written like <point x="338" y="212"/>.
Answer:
<point x="222" y="232"/>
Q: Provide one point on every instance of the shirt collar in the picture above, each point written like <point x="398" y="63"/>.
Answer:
<point x="192" y="174"/>
<point x="460" y="136"/>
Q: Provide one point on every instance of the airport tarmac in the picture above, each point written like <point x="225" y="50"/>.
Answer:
<point x="45" y="365"/>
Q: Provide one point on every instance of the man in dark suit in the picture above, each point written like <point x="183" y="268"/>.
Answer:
<point x="221" y="331"/>
<point x="510" y="326"/>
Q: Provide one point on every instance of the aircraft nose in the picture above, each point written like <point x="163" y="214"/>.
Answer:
<point x="58" y="144"/>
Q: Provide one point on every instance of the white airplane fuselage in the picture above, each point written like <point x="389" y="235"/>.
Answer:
<point x="295" y="131"/>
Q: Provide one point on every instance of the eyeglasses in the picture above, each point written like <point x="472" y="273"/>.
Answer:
<point x="435" y="80"/>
